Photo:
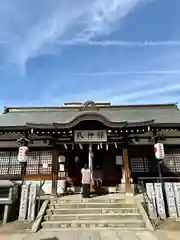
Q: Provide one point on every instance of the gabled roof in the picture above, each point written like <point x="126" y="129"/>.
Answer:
<point x="89" y="104"/>
<point x="68" y="116"/>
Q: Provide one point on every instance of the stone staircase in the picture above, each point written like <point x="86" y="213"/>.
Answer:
<point x="92" y="214"/>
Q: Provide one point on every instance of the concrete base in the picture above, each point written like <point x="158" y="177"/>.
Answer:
<point x="112" y="189"/>
<point x="129" y="194"/>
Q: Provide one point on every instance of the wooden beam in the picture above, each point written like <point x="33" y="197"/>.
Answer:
<point x="55" y="154"/>
<point x="127" y="170"/>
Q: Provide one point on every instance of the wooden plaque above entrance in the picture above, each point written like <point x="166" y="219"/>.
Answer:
<point x="90" y="136"/>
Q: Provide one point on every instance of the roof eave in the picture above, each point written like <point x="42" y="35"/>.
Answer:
<point x="13" y="128"/>
<point x="72" y="124"/>
<point x="166" y="125"/>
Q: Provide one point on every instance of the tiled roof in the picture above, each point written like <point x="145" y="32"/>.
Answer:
<point x="63" y="115"/>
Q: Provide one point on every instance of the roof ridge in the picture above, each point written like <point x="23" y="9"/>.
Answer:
<point x="133" y="106"/>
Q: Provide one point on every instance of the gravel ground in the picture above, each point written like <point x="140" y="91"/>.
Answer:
<point x="15" y="227"/>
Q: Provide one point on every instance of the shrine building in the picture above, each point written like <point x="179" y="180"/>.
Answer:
<point x="108" y="138"/>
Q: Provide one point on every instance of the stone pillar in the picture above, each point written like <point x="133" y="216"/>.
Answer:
<point x="23" y="202"/>
<point x="127" y="172"/>
<point x="55" y="155"/>
<point x="32" y="202"/>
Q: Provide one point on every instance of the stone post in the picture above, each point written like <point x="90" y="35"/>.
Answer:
<point x="32" y="202"/>
<point x="23" y="202"/>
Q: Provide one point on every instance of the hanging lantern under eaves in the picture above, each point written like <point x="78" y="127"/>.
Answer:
<point x="23" y="154"/>
<point x="159" y="151"/>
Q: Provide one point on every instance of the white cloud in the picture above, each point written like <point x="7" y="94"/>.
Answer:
<point x="152" y="72"/>
<point x="46" y="31"/>
<point x="33" y="33"/>
<point x="122" y="43"/>
<point x="104" y="13"/>
<point x="137" y="90"/>
<point x="145" y="93"/>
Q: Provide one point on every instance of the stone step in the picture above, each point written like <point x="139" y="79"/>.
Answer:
<point x="92" y="211"/>
<point x="91" y="205"/>
<point x="123" y="229"/>
<point x="93" y="224"/>
<point x="73" y="217"/>
<point x="53" y="201"/>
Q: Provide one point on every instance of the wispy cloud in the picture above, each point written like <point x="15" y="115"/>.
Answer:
<point x="120" y="71"/>
<point x="153" y="72"/>
<point x="93" y="18"/>
<point x="134" y="97"/>
<point x="121" y="43"/>
<point x="45" y="32"/>
<point x="104" y="13"/>
<point x="136" y="90"/>
<point x="145" y="93"/>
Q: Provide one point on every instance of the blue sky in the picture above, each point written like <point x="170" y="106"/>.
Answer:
<point x="122" y="51"/>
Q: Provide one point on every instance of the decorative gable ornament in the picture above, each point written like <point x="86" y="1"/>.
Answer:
<point x="159" y="151"/>
<point x="22" y="140"/>
<point x="23" y="154"/>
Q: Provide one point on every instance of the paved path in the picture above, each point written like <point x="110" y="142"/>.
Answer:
<point x="87" y="235"/>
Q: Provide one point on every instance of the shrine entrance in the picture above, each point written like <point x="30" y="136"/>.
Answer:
<point x="88" y="140"/>
<point x="76" y="161"/>
<point x="103" y="162"/>
<point x="95" y="144"/>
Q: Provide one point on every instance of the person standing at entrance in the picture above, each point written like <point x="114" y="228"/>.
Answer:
<point x="86" y="180"/>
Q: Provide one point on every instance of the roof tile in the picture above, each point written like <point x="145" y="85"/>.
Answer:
<point x="164" y="115"/>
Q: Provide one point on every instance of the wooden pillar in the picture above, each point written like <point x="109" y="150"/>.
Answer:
<point x="55" y="155"/>
<point x="127" y="171"/>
